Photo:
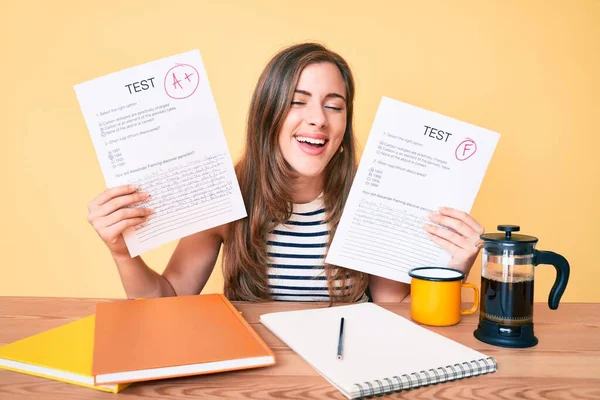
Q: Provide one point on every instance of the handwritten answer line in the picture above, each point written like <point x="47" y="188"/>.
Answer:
<point x="184" y="194"/>
<point x="406" y="223"/>
<point x="207" y="179"/>
<point x="160" y="181"/>
<point x="180" y="177"/>
<point x="205" y="207"/>
<point x="371" y="211"/>
<point x="385" y="210"/>
<point x="394" y="220"/>
<point x="210" y="160"/>
<point x="170" y="193"/>
<point x="189" y="199"/>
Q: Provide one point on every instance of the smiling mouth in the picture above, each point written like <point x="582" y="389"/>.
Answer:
<point x="312" y="142"/>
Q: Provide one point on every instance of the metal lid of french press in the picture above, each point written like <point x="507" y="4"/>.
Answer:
<point x="496" y="242"/>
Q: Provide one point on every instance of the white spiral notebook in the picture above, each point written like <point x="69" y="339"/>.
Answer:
<point x="382" y="351"/>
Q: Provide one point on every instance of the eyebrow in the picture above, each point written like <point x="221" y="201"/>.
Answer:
<point x="337" y="95"/>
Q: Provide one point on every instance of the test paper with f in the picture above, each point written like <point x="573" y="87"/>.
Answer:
<point x="415" y="161"/>
<point x="156" y="125"/>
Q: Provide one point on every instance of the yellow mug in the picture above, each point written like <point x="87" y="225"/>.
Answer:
<point x="435" y="296"/>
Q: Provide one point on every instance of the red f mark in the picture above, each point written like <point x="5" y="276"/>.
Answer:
<point x="465" y="149"/>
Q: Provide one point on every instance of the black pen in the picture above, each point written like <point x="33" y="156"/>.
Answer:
<point x="341" y="340"/>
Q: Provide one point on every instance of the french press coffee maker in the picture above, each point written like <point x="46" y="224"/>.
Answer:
<point x="506" y="306"/>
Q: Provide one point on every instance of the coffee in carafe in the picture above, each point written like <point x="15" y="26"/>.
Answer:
<point x="508" y="302"/>
<point x="507" y="282"/>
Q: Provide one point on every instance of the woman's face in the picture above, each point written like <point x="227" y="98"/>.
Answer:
<point x="313" y="130"/>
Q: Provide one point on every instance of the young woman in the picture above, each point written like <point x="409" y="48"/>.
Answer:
<point x="295" y="176"/>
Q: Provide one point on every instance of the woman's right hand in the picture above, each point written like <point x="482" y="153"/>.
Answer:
<point x="110" y="216"/>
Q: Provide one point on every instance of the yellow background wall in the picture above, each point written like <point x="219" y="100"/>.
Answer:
<point x="526" y="69"/>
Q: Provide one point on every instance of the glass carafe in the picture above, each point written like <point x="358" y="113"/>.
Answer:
<point x="507" y="282"/>
<point x="508" y="288"/>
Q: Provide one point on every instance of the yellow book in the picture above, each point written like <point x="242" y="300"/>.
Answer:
<point x="63" y="354"/>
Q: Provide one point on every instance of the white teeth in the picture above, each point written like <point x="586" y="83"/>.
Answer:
<point x="310" y="140"/>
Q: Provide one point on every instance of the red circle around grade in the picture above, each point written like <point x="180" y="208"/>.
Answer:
<point x="462" y="158"/>
<point x="183" y="81"/>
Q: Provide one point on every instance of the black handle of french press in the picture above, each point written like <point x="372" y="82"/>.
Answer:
<point x="562" y="274"/>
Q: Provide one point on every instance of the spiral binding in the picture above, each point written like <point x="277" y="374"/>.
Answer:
<point x="426" y="377"/>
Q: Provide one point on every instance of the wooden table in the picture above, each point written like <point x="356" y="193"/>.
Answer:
<point x="564" y="365"/>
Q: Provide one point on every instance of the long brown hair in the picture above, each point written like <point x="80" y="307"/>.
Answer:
<point x="267" y="180"/>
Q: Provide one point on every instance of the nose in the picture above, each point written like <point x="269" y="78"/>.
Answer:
<point x="315" y="115"/>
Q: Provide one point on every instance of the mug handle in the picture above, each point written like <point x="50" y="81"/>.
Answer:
<point x="475" y="301"/>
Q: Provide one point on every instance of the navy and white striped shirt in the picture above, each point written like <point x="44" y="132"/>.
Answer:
<point x="296" y="253"/>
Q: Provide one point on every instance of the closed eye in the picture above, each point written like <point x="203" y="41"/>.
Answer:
<point x="301" y="103"/>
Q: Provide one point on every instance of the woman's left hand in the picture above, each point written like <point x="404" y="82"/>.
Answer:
<point x="461" y="240"/>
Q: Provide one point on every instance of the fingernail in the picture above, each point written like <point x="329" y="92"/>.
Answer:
<point x="133" y="187"/>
